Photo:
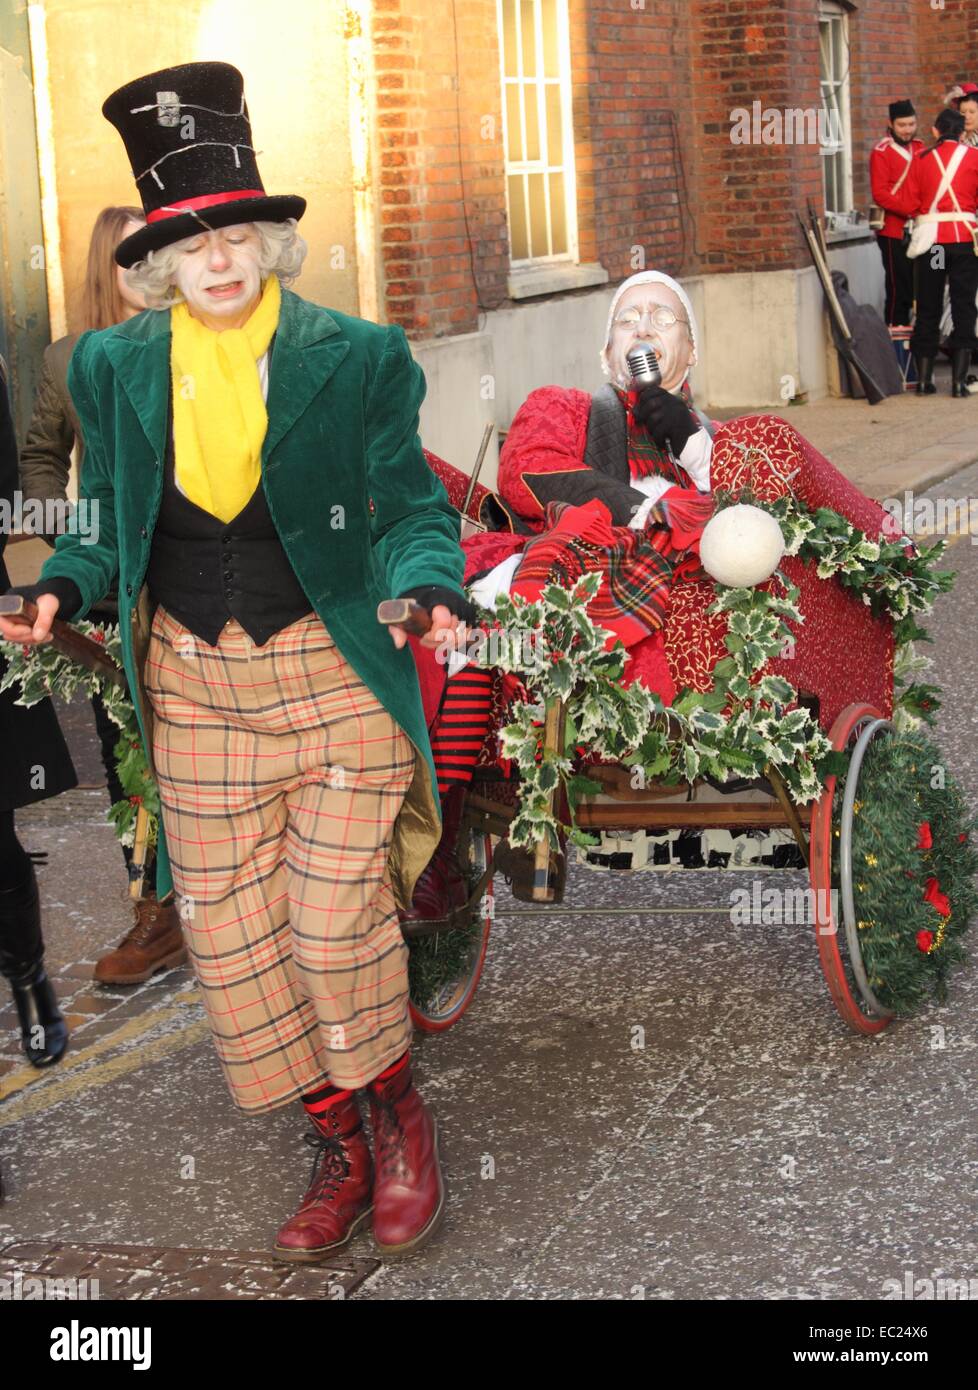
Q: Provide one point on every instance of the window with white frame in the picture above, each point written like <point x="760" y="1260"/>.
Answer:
<point x="836" y="130"/>
<point x="536" y="87"/>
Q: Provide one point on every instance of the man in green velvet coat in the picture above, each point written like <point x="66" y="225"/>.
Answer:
<point x="260" y="488"/>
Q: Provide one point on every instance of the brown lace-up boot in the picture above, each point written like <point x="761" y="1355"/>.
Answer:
<point x="154" y="942"/>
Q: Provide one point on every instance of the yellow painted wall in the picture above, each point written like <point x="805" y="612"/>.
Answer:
<point x="293" y="58"/>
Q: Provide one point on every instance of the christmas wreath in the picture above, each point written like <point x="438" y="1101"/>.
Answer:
<point x="913" y="869"/>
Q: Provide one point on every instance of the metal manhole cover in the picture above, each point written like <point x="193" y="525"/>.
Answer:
<point x="84" y="1271"/>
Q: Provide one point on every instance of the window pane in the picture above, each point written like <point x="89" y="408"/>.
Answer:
<point x="517" y="218"/>
<point x="558" y="214"/>
<point x="532" y="120"/>
<point x="550" y="59"/>
<point x="514" y="140"/>
<point x="529" y="38"/>
<point x="825" y="51"/>
<point x="838" y="50"/>
<point x="509" y="37"/>
<point x="538" y="216"/>
<point x="555" y="137"/>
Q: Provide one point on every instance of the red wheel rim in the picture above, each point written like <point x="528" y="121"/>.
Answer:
<point x="820" y="873"/>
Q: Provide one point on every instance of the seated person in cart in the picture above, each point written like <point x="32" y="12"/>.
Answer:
<point x="622" y="482"/>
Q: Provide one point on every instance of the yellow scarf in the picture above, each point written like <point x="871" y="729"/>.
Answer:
<point x="219" y="416"/>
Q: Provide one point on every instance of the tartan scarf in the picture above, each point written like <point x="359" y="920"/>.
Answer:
<point x="636" y="567"/>
<point x="644" y="455"/>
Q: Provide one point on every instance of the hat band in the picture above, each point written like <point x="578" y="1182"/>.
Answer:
<point x="209" y="200"/>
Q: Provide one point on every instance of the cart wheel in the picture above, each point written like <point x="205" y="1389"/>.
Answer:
<point x="861" y="1010"/>
<point x="445" y="967"/>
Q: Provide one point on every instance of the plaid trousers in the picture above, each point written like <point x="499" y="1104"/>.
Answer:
<point x="281" y="776"/>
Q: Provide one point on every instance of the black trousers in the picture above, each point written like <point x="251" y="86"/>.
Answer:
<point x="898" y="271"/>
<point x="957" y="265"/>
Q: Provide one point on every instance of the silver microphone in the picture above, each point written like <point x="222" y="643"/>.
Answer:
<point x="643" y="363"/>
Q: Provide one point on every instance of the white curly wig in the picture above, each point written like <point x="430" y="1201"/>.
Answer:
<point x="282" y="253"/>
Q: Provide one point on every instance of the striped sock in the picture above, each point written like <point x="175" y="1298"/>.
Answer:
<point x="318" y="1104"/>
<point x="394" y="1067"/>
<point x="462" y="726"/>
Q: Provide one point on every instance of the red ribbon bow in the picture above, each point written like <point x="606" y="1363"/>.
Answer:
<point x="934" y="896"/>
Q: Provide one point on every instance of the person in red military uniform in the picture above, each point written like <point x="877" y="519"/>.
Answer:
<point x="889" y="172"/>
<point x="944" y="203"/>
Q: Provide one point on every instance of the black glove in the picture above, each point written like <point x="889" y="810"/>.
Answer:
<point x="430" y="595"/>
<point x="63" y="588"/>
<point x="666" y="418"/>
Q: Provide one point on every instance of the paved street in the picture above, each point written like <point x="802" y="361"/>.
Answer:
<point x="753" y="1149"/>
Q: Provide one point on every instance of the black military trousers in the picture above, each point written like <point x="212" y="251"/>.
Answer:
<point x="956" y="265"/>
<point x="898" y="271"/>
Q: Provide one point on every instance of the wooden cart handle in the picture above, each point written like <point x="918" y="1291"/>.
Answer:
<point x="66" y="639"/>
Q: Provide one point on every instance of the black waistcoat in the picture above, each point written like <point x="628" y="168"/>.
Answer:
<point x="205" y="571"/>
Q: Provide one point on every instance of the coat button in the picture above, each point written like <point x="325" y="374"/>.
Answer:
<point x="228" y="574"/>
<point x="129" y="591"/>
<point x="143" y="532"/>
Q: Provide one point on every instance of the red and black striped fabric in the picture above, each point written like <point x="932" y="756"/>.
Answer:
<point x="461" y="727"/>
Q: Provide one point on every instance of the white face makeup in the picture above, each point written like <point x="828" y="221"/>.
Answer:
<point x="673" y="344"/>
<point x="969" y="110"/>
<point x="218" y="275"/>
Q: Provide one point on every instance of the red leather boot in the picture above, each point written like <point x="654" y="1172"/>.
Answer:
<point x="409" y="1195"/>
<point x="442" y="886"/>
<point x="338" y="1200"/>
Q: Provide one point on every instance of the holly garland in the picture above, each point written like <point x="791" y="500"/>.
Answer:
<point x="881" y="572"/>
<point x="913" y="867"/>
<point x="42" y="671"/>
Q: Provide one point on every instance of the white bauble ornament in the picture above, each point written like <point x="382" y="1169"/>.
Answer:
<point x="741" y="546"/>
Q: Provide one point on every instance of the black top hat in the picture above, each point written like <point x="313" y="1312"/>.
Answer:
<point x="188" y="137"/>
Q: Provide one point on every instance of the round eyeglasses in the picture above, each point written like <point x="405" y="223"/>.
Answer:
<point x="659" y="316"/>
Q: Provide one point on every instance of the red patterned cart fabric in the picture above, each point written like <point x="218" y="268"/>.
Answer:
<point x="842" y="653"/>
<point x="456" y="484"/>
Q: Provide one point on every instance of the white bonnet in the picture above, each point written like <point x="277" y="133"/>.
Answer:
<point x="647" y="277"/>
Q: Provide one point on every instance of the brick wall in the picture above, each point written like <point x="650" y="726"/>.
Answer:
<point x="444" y="255"/>
<point x="743" y="194"/>
<point x="654" y="86"/>
<point x="629" y="96"/>
<point x="904" y="48"/>
<point x="947" y="47"/>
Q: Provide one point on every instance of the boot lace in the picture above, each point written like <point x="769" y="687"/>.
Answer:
<point x="330" y="1167"/>
<point x="144" y="925"/>
<point x="391" y="1138"/>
